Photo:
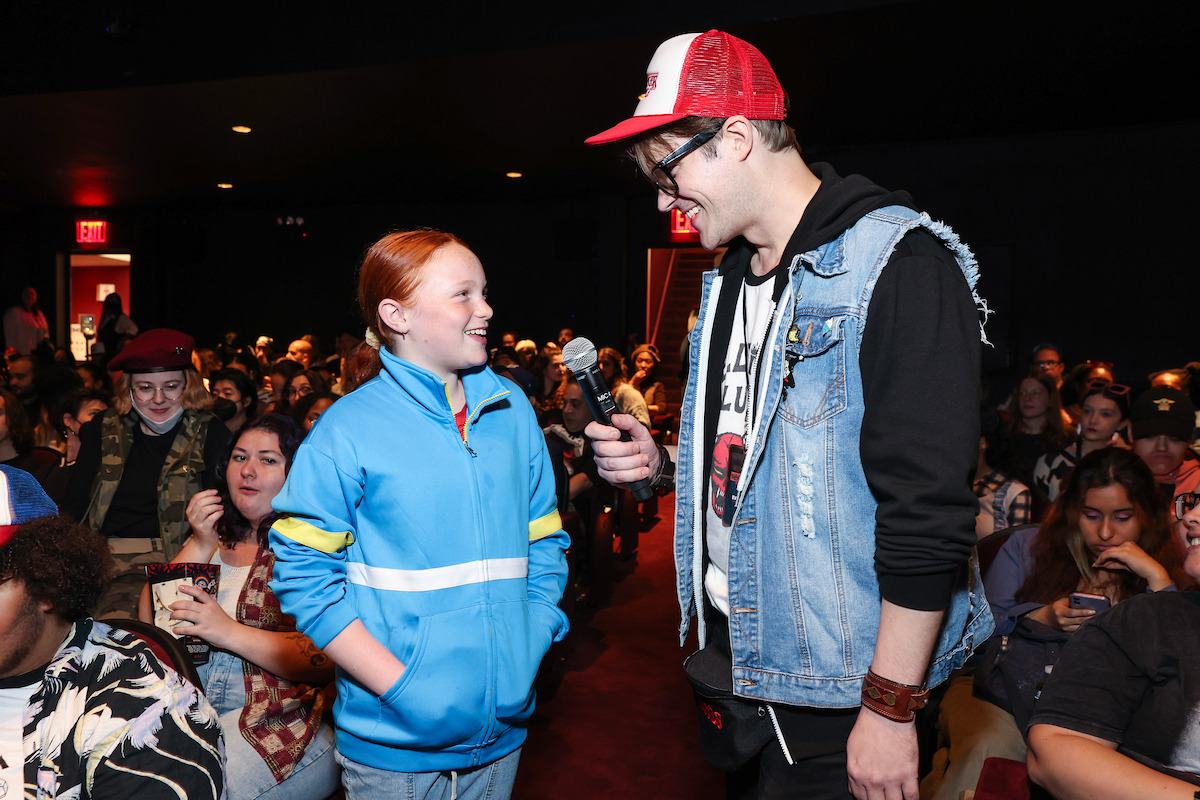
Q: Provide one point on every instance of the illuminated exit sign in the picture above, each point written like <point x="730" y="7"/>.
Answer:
<point x="681" y="226"/>
<point x="91" y="231"/>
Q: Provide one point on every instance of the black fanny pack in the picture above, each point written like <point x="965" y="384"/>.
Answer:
<point x="732" y="729"/>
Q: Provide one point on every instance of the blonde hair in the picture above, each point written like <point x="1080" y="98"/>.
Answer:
<point x="195" y="396"/>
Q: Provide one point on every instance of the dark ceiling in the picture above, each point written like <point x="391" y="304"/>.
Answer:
<point x="131" y="103"/>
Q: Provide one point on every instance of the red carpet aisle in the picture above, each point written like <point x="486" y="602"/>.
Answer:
<point x="615" y="718"/>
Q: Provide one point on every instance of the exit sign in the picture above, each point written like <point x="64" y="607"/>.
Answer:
<point x="91" y="231"/>
<point x="681" y="227"/>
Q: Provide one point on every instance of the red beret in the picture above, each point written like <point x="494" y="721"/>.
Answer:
<point x="158" y="350"/>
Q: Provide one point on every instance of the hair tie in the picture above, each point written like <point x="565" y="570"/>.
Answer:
<point x="370" y="338"/>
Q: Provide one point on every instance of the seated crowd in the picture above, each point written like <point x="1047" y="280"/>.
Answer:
<point x="171" y="454"/>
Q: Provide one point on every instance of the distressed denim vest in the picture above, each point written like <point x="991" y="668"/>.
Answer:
<point x="803" y="593"/>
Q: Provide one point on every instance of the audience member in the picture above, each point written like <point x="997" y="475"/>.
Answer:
<point x="53" y="381"/>
<point x="236" y="387"/>
<point x="1076" y="383"/>
<point x="1163" y="421"/>
<point x="645" y="363"/>
<point x="268" y="683"/>
<point x="1117" y="718"/>
<point x="263" y="350"/>
<point x="1047" y="359"/>
<point x="1036" y="427"/>
<point x="1105" y="412"/>
<point x="25" y="326"/>
<point x="1108" y="535"/>
<point x="504" y="363"/>
<point x="17" y="448"/>
<point x="142" y="460"/>
<point x="628" y="399"/>
<point x="90" y="710"/>
<point x="114" y="330"/>
<point x="1003" y="501"/>
<point x="20" y="380"/>
<point x="277" y="376"/>
<point x="72" y="412"/>
<point x="301" y="352"/>
<point x="310" y="381"/>
<point x="565" y="335"/>
<point x="310" y="407"/>
<point x="549" y="379"/>
<point x="526" y="353"/>
<point x="95" y="376"/>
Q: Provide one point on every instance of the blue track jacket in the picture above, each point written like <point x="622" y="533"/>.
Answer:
<point x="451" y="553"/>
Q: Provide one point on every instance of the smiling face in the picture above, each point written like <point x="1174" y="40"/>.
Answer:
<point x="1100" y="419"/>
<point x="1191" y="540"/>
<point x="445" y="327"/>
<point x="1108" y="519"/>
<point x="158" y="395"/>
<point x="708" y="193"/>
<point x="256" y="472"/>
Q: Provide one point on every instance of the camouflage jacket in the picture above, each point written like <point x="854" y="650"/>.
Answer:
<point x="181" y="477"/>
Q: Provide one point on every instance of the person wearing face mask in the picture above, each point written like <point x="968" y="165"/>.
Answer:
<point x="140" y="463"/>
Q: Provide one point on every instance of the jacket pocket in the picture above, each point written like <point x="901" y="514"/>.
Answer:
<point x="815" y="357"/>
<point x="439" y="701"/>
<point x="522" y="639"/>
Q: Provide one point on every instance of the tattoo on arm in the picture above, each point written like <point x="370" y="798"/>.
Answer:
<point x="315" y="655"/>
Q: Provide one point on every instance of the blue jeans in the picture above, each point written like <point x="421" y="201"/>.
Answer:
<point x="247" y="776"/>
<point x="492" y="781"/>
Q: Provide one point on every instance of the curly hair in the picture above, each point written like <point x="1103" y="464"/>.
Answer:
<point x="61" y="563"/>
<point x="1060" y="557"/>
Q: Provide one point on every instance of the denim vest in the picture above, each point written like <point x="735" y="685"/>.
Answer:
<point x="803" y="593"/>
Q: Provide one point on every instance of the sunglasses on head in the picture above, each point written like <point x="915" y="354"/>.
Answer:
<point x="1112" y="389"/>
<point x="1185" y="503"/>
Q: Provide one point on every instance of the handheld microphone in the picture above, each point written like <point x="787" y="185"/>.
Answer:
<point x="579" y="355"/>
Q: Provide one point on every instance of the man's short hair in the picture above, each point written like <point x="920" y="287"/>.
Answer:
<point x="60" y="562"/>
<point x="775" y="134"/>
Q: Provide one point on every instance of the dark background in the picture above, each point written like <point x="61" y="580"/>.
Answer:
<point x="1059" y="139"/>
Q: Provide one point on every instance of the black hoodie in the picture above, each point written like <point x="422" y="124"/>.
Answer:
<point x="920" y="361"/>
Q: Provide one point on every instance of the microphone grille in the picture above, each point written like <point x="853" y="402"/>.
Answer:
<point x="579" y="353"/>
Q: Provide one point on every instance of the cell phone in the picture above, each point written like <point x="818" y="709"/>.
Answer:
<point x="1096" y="602"/>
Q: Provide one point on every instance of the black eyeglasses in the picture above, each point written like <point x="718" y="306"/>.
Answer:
<point x="661" y="177"/>
<point x="1185" y="503"/>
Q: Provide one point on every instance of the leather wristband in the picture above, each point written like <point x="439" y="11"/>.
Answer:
<point x="664" y="482"/>
<point x="898" y="702"/>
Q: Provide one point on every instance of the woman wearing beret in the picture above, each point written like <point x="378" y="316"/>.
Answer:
<point x="142" y="461"/>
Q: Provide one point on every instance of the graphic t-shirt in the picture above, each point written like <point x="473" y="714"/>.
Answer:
<point x="734" y="422"/>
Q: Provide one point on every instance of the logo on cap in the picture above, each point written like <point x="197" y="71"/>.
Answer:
<point x="1164" y="403"/>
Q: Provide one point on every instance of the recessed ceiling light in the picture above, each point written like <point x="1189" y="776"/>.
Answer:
<point x="241" y="128"/>
<point x="512" y="174"/>
<point x="224" y="185"/>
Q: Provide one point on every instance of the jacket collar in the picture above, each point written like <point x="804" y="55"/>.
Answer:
<point x="480" y="384"/>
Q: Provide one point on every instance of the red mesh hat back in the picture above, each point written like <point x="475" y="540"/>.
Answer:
<point x="724" y="76"/>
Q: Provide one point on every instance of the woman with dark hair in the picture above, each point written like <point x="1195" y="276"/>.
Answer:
<point x="309" y="381"/>
<point x="1105" y="411"/>
<point x="1108" y="535"/>
<point x="143" y="459"/>
<point x="628" y="399"/>
<point x="268" y="683"/>
<point x="236" y="387"/>
<point x="278" y="376"/>
<point x="17" y="448"/>
<point x="1035" y="427"/>
<point x="95" y="376"/>
<point x="73" y="411"/>
<point x="309" y="408"/>
<point x="549" y="380"/>
<point x="114" y="330"/>
<point x="645" y="362"/>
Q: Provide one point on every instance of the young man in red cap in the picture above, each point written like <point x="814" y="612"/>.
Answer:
<point x="824" y="516"/>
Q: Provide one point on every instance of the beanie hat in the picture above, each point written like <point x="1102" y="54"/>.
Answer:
<point x="702" y="75"/>
<point x="22" y="499"/>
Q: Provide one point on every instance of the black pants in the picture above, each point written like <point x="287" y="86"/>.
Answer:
<point x="816" y="740"/>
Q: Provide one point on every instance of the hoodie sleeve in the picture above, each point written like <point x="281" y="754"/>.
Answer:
<point x="920" y="362"/>
<point x="318" y="500"/>
<point x="548" y="542"/>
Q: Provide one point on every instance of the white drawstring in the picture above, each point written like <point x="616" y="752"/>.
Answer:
<point x="453" y="784"/>
<point x="779" y="735"/>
